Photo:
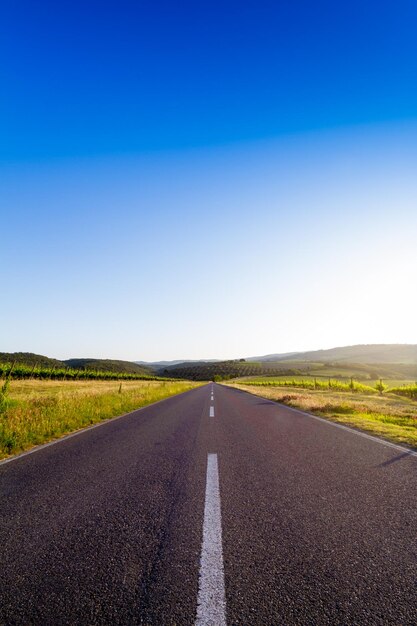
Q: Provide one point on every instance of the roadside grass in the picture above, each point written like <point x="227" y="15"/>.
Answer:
<point x="35" y="411"/>
<point x="388" y="416"/>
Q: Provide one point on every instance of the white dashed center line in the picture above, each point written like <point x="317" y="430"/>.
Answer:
<point x="212" y="411"/>
<point x="211" y="600"/>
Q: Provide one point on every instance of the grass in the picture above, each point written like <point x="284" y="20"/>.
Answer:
<point x="337" y="382"/>
<point x="35" y="411"/>
<point x="389" y="416"/>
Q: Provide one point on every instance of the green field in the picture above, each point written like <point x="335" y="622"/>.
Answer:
<point x="35" y="411"/>
<point x="341" y="383"/>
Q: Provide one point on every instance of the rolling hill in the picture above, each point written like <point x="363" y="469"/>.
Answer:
<point x="162" y="364"/>
<point x="363" y="361"/>
<point x="102" y="365"/>
<point x="366" y="353"/>
<point x="29" y="358"/>
<point x="368" y="361"/>
<point x="108" y="365"/>
<point x="223" y="370"/>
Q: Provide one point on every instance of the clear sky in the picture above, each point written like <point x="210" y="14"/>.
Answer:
<point x="207" y="180"/>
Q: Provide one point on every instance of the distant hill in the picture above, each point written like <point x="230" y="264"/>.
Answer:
<point x="108" y="365"/>
<point x="364" y="353"/>
<point x="29" y="358"/>
<point x="162" y="364"/>
<point x="222" y="370"/>
<point x="225" y="370"/>
<point x="273" y="357"/>
<point x="371" y="361"/>
<point x="102" y="365"/>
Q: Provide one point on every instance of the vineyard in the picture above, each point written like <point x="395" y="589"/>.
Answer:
<point x="332" y="384"/>
<point x="409" y="391"/>
<point x="20" y="371"/>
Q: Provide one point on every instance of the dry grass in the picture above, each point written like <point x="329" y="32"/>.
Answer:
<point x="391" y="417"/>
<point x="37" y="411"/>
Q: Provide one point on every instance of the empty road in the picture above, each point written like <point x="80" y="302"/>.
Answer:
<point x="212" y="507"/>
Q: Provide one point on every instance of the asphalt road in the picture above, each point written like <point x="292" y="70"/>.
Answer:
<point x="244" y="513"/>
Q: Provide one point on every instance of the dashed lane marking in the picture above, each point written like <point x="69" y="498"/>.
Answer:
<point x="211" y="600"/>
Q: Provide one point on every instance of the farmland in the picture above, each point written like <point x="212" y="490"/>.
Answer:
<point x="337" y="383"/>
<point x="35" y="411"/>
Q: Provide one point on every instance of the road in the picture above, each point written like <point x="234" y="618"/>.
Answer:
<point x="212" y="507"/>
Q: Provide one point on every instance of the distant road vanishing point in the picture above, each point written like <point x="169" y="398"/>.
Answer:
<point x="212" y="507"/>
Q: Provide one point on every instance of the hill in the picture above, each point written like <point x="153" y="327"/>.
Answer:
<point x="362" y="361"/>
<point x="223" y="370"/>
<point x="161" y="364"/>
<point x="395" y="361"/>
<point x="293" y="362"/>
<point x="273" y="357"/>
<point x="29" y="358"/>
<point x="108" y="365"/>
<point x="102" y="365"/>
<point x="364" y="353"/>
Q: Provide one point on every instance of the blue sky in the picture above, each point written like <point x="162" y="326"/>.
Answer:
<point x="207" y="180"/>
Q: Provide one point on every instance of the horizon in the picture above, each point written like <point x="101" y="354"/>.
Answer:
<point x="236" y="358"/>
<point x="163" y="194"/>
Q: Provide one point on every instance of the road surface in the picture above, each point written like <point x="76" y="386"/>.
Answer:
<point x="212" y="507"/>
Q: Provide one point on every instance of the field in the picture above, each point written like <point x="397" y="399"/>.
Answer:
<point x="392" y="414"/>
<point x="36" y="411"/>
<point x="335" y="382"/>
